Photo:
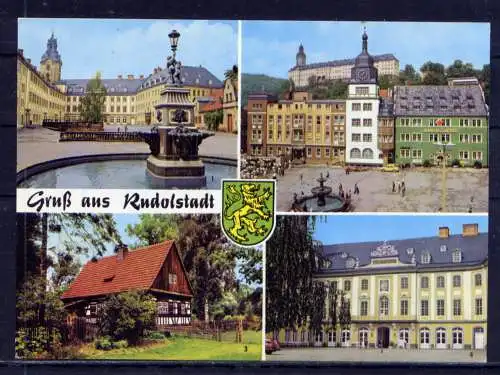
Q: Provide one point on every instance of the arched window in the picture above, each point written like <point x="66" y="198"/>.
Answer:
<point x="426" y="257"/>
<point x="355" y="153"/>
<point x="458" y="338"/>
<point x="440" y="282"/>
<point x="363" y="337"/>
<point x="404" y="336"/>
<point x="383" y="306"/>
<point x="424" y="282"/>
<point x="346" y="338"/>
<point x="440" y="338"/>
<point x="367" y="153"/>
<point x="425" y="338"/>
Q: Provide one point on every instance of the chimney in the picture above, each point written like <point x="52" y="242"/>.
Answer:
<point x="122" y="252"/>
<point x="130" y="76"/>
<point x="20" y="51"/>
<point x="470" y="230"/>
<point x="120" y="76"/>
<point x="29" y="61"/>
<point x="444" y="232"/>
<point x="141" y="76"/>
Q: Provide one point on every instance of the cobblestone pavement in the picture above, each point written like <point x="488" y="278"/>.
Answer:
<point x="423" y="188"/>
<point x="374" y="355"/>
<point x="39" y="145"/>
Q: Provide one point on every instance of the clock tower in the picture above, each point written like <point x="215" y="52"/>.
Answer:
<point x="362" y="106"/>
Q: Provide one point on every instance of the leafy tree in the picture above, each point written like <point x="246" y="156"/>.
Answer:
<point x="213" y="119"/>
<point x="433" y="73"/>
<point x="312" y="81"/>
<point x="291" y="257"/>
<point x="65" y="269"/>
<point x="317" y="314"/>
<point x="484" y="76"/>
<point x="126" y="316"/>
<point x="153" y="229"/>
<point x="92" y="109"/>
<point x="286" y="90"/>
<point x="232" y="73"/>
<point x="258" y="83"/>
<point x="339" y="309"/>
<point x="330" y="89"/>
<point x="409" y="75"/>
<point x="250" y="262"/>
<point x="459" y="69"/>
<point x="387" y="81"/>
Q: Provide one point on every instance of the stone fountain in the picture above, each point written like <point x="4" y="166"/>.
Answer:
<point x="321" y="200"/>
<point x="174" y="143"/>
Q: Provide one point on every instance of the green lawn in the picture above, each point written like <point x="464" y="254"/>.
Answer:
<point x="187" y="348"/>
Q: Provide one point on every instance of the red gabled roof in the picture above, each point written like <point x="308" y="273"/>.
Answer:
<point x="108" y="275"/>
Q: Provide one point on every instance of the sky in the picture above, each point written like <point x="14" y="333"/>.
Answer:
<point x="124" y="47"/>
<point x="340" y="229"/>
<point x="270" y="47"/>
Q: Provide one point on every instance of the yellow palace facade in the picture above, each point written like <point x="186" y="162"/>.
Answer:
<point x="43" y="94"/>
<point x="423" y="293"/>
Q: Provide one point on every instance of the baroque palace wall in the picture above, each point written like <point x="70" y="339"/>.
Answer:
<point x="43" y="94"/>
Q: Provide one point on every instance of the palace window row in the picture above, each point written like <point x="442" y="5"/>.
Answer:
<point x="357" y="106"/>
<point x="413" y="153"/>
<point x="356" y="122"/>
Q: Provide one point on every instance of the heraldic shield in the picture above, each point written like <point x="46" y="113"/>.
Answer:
<point x="248" y="210"/>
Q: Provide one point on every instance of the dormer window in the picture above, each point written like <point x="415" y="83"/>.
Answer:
<point x="443" y="248"/>
<point x="343" y="255"/>
<point x="456" y="256"/>
<point x="410" y="251"/>
<point x="425" y="258"/>
<point x="350" y="263"/>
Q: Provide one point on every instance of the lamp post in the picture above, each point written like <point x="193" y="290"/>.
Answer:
<point x="174" y="39"/>
<point x="444" y="146"/>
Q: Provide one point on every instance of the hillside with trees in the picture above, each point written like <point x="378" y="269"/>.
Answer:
<point x="261" y="82"/>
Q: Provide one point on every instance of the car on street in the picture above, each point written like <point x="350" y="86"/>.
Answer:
<point x="272" y="346"/>
<point x="390" y="168"/>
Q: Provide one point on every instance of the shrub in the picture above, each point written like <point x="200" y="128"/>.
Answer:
<point x="120" y="344"/>
<point x="127" y="316"/>
<point x="104" y="343"/>
<point x="455" y="163"/>
<point x="155" y="335"/>
<point x="478" y="164"/>
<point x="228" y="317"/>
<point x="427" y="163"/>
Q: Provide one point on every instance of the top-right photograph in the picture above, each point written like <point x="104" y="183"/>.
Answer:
<point x="367" y="116"/>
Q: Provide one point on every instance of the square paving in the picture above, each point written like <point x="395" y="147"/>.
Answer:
<point x="423" y="188"/>
<point x="375" y="355"/>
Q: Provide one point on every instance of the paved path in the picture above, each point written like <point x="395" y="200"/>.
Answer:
<point x="423" y="188"/>
<point x="374" y="355"/>
<point x="39" y="145"/>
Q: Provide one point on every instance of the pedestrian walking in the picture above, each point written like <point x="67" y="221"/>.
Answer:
<point x="327" y="174"/>
<point x="274" y="176"/>
<point x="403" y="191"/>
<point x="301" y="177"/>
<point x="393" y="187"/>
<point x="399" y="187"/>
<point x="356" y="189"/>
<point x="126" y="128"/>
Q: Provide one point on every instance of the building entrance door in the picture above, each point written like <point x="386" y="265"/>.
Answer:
<point x="383" y="337"/>
<point x="478" y="338"/>
<point x="229" y="123"/>
<point x="440" y="338"/>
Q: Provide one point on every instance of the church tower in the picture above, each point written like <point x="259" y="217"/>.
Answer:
<point x="362" y="106"/>
<point x="51" y="63"/>
<point x="301" y="56"/>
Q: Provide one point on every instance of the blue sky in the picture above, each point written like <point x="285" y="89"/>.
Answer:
<point x="124" y="47"/>
<point x="270" y="47"/>
<point x="365" y="228"/>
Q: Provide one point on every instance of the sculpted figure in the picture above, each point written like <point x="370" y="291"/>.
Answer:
<point x="177" y="74"/>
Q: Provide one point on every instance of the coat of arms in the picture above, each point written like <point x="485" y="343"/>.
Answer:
<point x="248" y="212"/>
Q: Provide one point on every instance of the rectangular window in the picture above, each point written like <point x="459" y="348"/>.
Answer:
<point x="367" y="106"/>
<point x="457" y="307"/>
<point x="424" y="307"/>
<point x="309" y="152"/>
<point x="424" y="282"/>
<point x="362" y="91"/>
<point x="356" y="137"/>
<point x="416" y="137"/>
<point x="404" y="307"/>
<point x="479" y="306"/>
<point x="318" y="152"/>
<point x="478" y="279"/>
<point x="404" y="282"/>
<point x="347" y="285"/>
<point x="440" y="307"/>
<point x="457" y="281"/>
<point x="367" y="122"/>
<point x="364" y="284"/>
<point x="356" y="122"/>
<point x="364" y="308"/>
<point x="356" y="106"/>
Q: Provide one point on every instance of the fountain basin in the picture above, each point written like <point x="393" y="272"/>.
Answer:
<point x="332" y="203"/>
<point x="112" y="171"/>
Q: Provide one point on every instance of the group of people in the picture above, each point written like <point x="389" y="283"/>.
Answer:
<point x="400" y="186"/>
<point x="348" y="195"/>
<point x="262" y="167"/>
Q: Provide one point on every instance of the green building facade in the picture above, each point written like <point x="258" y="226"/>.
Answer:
<point x="426" y="117"/>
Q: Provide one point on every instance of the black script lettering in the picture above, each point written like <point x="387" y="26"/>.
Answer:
<point x="132" y="199"/>
<point x="204" y="202"/>
<point x="95" y="202"/>
<point x="39" y="201"/>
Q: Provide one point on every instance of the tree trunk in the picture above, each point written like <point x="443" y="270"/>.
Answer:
<point x="43" y="248"/>
<point x="206" y="311"/>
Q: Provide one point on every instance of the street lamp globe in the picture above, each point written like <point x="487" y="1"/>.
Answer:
<point x="174" y="38"/>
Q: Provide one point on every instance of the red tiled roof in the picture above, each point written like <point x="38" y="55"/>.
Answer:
<point x="109" y="275"/>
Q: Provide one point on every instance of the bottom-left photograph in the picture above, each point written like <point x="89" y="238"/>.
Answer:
<point x="135" y="287"/>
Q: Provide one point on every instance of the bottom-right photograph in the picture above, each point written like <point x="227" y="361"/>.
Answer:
<point x="391" y="288"/>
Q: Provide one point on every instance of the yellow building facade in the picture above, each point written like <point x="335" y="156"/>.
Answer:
<point x="425" y="293"/>
<point x="230" y="106"/>
<point x="43" y="94"/>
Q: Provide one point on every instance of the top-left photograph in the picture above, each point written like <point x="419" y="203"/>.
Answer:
<point x="126" y="104"/>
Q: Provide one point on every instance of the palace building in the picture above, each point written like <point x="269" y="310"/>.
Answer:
<point x="370" y="126"/>
<point x="301" y="73"/>
<point x="44" y="94"/>
<point x="420" y="293"/>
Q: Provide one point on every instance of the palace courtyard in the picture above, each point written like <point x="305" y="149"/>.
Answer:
<point x="423" y="188"/>
<point x="375" y="355"/>
<point x="40" y="145"/>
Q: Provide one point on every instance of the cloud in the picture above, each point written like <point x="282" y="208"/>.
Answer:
<point x="130" y="47"/>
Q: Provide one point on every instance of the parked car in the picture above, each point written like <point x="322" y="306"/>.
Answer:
<point x="390" y="168"/>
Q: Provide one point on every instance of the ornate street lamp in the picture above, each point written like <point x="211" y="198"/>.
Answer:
<point x="444" y="146"/>
<point x="174" y="39"/>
